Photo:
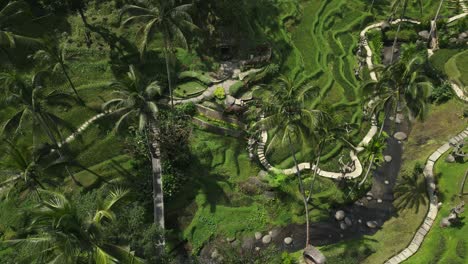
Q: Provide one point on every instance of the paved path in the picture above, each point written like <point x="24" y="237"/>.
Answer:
<point x="82" y="128"/>
<point x="431" y="215"/>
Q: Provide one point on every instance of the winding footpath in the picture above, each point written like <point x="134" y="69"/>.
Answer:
<point x="431" y="215"/>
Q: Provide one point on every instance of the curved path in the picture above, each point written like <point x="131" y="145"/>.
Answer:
<point x="431" y="215"/>
<point x="372" y="131"/>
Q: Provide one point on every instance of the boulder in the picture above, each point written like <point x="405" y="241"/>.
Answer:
<point x="288" y="240"/>
<point x="424" y="34"/>
<point x="340" y="215"/>
<point x="313" y="255"/>
<point x="258" y="235"/>
<point x="230" y="239"/>
<point x="343" y="226"/>
<point x="274" y="232"/>
<point x="388" y="158"/>
<point x="371" y="224"/>
<point x="463" y="35"/>
<point x="263" y="175"/>
<point x="445" y="222"/>
<point x="400" y="136"/>
<point x="386" y="182"/>
<point x="450" y="159"/>
<point x="266" y="239"/>
<point x="379" y="200"/>
<point x="215" y="254"/>
<point x="348" y="221"/>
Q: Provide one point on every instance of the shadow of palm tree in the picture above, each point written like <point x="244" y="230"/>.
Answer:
<point x="410" y="190"/>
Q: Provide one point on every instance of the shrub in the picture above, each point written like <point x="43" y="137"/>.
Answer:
<point x="441" y="93"/>
<point x="219" y="93"/>
<point x="235" y="88"/>
<point x="406" y="35"/>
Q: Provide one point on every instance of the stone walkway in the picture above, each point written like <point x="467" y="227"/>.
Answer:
<point x="82" y="128"/>
<point x="431" y="215"/>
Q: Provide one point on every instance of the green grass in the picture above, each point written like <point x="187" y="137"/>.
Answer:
<point x="457" y="69"/>
<point x="398" y="231"/>
<point x="189" y="89"/>
<point x="446" y="245"/>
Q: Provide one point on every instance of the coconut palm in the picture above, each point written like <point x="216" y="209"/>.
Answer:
<point x="168" y="18"/>
<point x="291" y="121"/>
<point x="135" y="101"/>
<point x="32" y="100"/>
<point x="8" y="13"/>
<point x="53" y="57"/>
<point x="59" y="233"/>
<point x="401" y="86"/>
<point x="374" y="154"/>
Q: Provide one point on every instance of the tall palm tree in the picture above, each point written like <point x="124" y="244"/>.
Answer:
<point x="401" y="86"/>
<point x="402" y="6"/>
<point x="136" y="101"/>
<point x="291" y="121"/>
<point x="9" y="12"/>
<point x="168" y="18"/>
<point x="32" y="101"/>
<point x="53" y="57"/>
<point x="374" y="154"/>
<point x="60" y="234"/>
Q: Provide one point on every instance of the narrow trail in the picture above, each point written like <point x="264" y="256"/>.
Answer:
<point x="358" y="169"/>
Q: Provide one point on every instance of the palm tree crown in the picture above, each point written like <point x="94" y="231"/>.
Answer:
<point x="135" y="98"/>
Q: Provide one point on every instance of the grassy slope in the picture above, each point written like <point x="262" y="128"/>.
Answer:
<point x="396" y="233"/>
<point x="449" y="245"/>
<point x="457" y="68"/>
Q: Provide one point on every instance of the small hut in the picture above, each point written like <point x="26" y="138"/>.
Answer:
<point x="313" y="256"/>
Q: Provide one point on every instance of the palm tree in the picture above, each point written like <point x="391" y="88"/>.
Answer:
<point x="8" y="13"/>
<point x="433" y="38"/>
<point x="53" y="57"/>
<point x="60" y="234"/>
<point x="291" y="121"/>
<point x="136" y="100"/>
<point x="32" y="100"/>
<point x="403" y="85"/>
<point x="167" y="17"/>
<point x="396" y="5"/>
<point x="374" y="154"/>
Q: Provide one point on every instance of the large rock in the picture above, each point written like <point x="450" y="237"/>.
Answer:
<point x="215" y="254"/>
<point x="348" y="221"/>
<point x="424" y="34"/>
<point x="266" y="239"/>
<point x="258" y="235"/>
<point x="230" y="239"/>
<point x="288" y="240"/>
<point x="388" y="158"/>
<point x="400" y="136"/>
<point x="445" y="222"/>
<point x="371" y="224"/>
<point x="263" y="175"/>
<point x="340" y="215"/>
<point x="450" y="159"/>
<point x="343" y="226"/>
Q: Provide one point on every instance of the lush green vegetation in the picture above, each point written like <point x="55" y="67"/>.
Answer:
<point x="93" y="138"/>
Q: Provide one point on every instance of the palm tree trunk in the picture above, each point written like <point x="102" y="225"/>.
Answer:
<point x="317" y="161"/>
<point x="371" y="6"/>
<point x="462" y="187"/>
<point x="435" y="24"/>
<point x="156" y="171"/>
<point x="168" y="69"/>
<point x="301" y="189"/>
<point x="85" y="22"/>
<point x="65" y="72"/>
<point x="405" y="5"/>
